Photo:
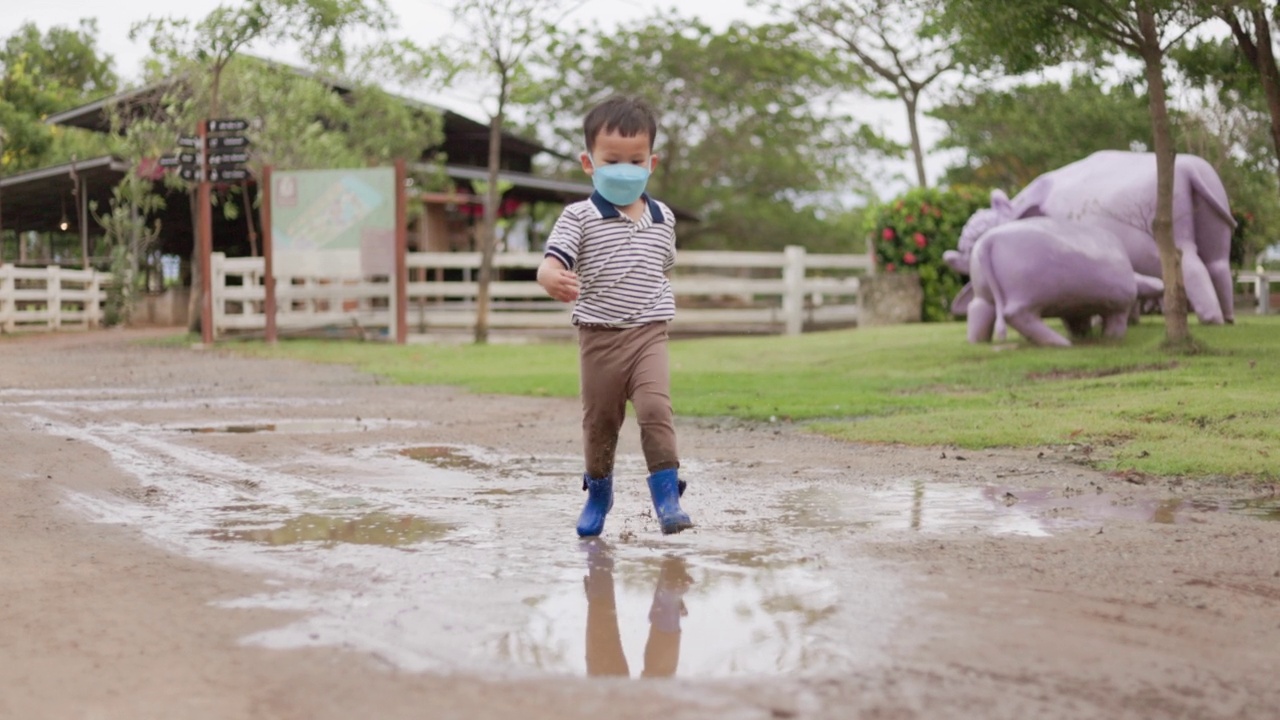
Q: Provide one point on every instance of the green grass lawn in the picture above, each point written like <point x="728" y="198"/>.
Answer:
<point x="1214" y="413"/>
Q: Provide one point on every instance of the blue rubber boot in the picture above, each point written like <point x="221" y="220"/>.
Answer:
<point x="665" y="486"/>
<point x="599" y="503"/>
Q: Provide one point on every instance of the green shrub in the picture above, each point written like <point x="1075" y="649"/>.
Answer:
<point x="910" y="233"/>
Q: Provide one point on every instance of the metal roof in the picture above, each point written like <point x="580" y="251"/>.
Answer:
<point x="93" y="115"/>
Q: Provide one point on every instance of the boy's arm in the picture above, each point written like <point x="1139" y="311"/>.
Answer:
<point x="559" y="282"/>
<point x="554" y="273"/>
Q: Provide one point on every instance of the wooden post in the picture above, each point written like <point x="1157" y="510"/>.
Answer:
<point x="53" y="296"/>
<point x="793" y="297"/>
<point x="204" y="232"/>
<point x="269" y="278"/>
<point x="82" y="211"/>
<point x="1263" y="286"/>
<point x="93" y="300"/>
<point x="7" y="304"/>
<point x="400" y="308"/>
<point x="217" y="287"/>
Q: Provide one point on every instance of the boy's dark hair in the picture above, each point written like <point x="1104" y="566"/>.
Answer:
<point x="625" y="115"/>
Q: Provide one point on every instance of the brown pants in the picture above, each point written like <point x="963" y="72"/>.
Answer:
<point x="617" y="366"/>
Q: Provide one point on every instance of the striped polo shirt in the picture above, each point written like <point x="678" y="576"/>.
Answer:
<point x="621" y="263"/>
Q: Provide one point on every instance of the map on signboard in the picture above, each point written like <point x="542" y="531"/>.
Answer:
<point x="339" y="222"/>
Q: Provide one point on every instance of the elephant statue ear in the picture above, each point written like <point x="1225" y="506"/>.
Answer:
<point x="1030" y="202"/>
<point x="1000" y="203"/>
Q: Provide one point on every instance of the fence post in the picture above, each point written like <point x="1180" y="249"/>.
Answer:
<point x="793" y="297"/>
<point x="53" y="295"/>
<point x="217" y="291"/>
<point x="7" y="304"/>
<point x="1263" y="286"/>
<point x="93" y="301"/>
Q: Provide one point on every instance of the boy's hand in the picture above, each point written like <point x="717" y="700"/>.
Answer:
<point x="559" y="283"/>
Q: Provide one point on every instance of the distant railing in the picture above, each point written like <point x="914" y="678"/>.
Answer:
<point x="1261" y="282"/>
<point x="715" y="292"/>
<point x="50" y="298"/>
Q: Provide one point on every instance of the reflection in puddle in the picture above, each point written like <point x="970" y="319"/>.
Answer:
<point x="1264" y="508"/>
<point x="371" y="529"/>
<point x="676" y="616"/>
<point x="933" y="507"/>
<point x="300" y="427"/>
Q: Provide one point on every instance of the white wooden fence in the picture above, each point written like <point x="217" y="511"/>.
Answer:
<point x="1261" y="282"/>
<point x="715" y="291"/>
<point x="50" y="298"/>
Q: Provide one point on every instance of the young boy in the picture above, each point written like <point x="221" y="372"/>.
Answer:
<point x="609" y="255"/>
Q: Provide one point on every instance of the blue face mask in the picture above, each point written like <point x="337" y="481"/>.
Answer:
<point x="620" y="184"/>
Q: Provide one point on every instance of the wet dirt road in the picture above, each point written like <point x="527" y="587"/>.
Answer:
<point x="189" y="534"/>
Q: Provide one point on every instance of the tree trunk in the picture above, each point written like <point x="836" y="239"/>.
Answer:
<point x="917" y="149"/>
<point x="248" y="219"/>
<point x="1265" y="63"/>
<point x="488" y="241"/>
<point x="1177" y="333"/>
<point x="195" y="299"/>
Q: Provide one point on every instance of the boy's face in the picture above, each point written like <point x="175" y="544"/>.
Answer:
<point x="612" y="148"/>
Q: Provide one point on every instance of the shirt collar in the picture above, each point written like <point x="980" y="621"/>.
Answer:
<point x="609" y="210"/>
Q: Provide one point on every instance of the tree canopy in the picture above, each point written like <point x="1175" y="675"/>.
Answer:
<point x="1009" y="137"/>
<point x="750" y="135"/>
<point x="42" y="73"/>
<point x="899" y="53"/>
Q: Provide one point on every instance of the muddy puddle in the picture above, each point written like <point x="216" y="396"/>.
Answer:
<point x="931" y="507"/>
<point x="452" y="557"/>
<point x="325" y="530"/>
<point x="294" y="426"/>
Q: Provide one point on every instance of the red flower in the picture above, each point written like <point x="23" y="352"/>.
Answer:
<point x="887" y="234"/>
<point x="921" y="241"/>
<point x="889" y="267"/>
<point x="911" y="219"/>
<point x="909" y="258"/>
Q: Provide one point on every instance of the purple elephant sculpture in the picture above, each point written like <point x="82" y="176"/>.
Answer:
<point x="1090" y="276"/>
<point x="1116" y="192"/>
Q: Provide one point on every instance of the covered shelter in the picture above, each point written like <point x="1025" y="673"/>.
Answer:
<point x="53" y="204"/>
<point x="49" y="209"/>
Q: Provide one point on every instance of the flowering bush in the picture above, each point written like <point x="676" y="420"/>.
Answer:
<point x="910" y="233"/>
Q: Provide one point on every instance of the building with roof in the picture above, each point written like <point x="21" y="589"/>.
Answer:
<point x="57" y="199"/>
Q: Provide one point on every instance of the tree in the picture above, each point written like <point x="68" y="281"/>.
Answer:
<point x="1036" y="33"/>
<point x="201" y="52"/>
<point x="300" y="121"/>
<point x="749" y="137"/>
<point x="890" y="40"/>
<point x="502" y="34"/>
<point x="128" y="237"/>
<point x="1250" y="23"/>
<point x="1011" y="136"/>
<point x="44" y="73"/>
<point x="1230" y="127"/>
<point x="319" y="27"/>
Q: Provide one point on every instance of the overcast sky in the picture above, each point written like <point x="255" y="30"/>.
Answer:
<point x="421" y="20"/>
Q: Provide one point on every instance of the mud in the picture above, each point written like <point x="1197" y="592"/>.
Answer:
<point x="192" y="534"/>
